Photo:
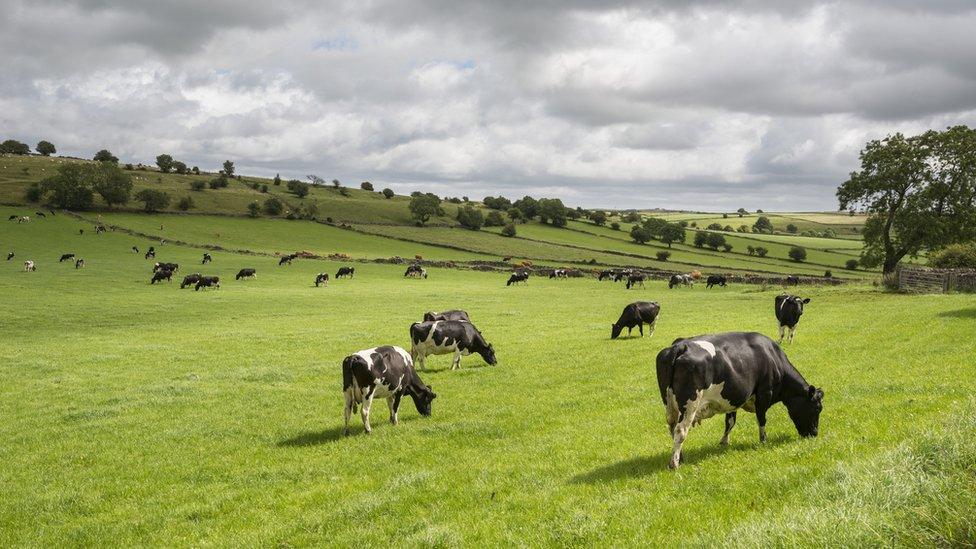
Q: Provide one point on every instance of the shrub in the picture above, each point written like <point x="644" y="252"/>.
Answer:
<point x="153" y="199"/>
<point x="105" y="156"/>
<point x="715" y="241"/>
<point x="700" y="239"/>
<point x="298" y="188"/>
<point x="197" y="185"/>
<point x="954" y="256"/>
<point x="751" y="250"/>
<point x="264" y="188"/>
<point x="277" y="179"/>
<point x="508" y="230"/>
<point x="388" y="193"/>
<point x="195" y="170"/>
<point x="798" y="254"/>
<point x="599" y="218"/>
<point x="828" y="274"/>
<point x="761" y="252"/>
<point x="694" y="223"/>
<point x="615" y="226"/>
<point x="762" y="225"/>
<point x="45" y="148"/>
<point x="499" y="203"/>
<point x="663" y="255"/>
<point x="714" y="227"/>
<point x="129" y="167"/>
<point x="219" y="182"/>
<point x="851" y="264"/>
<point x="33" y="193"/>
<point x="273" y="206"/>
<point x="343" y="191"/>
<point x="185" y="203"/>
<point x="727" y="247"/>
<point x="791" y="228"/>
<point x="366" y="186"/>
<point x="494" y="219"/>
<point x="470" y="218"/>
<point x="254" y="209"/>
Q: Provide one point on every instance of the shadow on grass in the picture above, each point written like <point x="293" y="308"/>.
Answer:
<point x="313" y="438"/>
<point x="959" y="313"/>
<point x="640" y="466"/>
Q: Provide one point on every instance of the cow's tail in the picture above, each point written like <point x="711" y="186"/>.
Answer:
<point x="349" y="382"/>
<point x="666" y="366"/>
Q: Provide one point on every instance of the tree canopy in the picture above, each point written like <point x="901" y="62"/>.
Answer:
<point x="423" y="206"/>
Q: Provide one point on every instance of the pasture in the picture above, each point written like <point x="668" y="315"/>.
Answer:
<point x="147" y="415"/>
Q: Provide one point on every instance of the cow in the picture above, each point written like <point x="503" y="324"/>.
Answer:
<point x="99" y="229"/>
<point x="681" y="280"/>
<point x="29" y="266"/>
<point x="246" y="273"/>
<point x="518" y="276"/>
<point x="637" y="314"/>
<point x="321" y="278"/>
<point x="720" y="373"/>
<point x="39" y="214"/>
<point x="79" y="264"/>
<point x="415" y="271"/>
<point x="622" y="275"/>
<point x="10" y="255"/>
<point x="442" y="337"/>
<point x="151" y="254"/>
<point x="166" y="267"/>
<point x="454" y="314"/>
<point x="190" y="280"/>
<point x="634" y="279"/>
<point x="135" y="250"/>
<point x="23" y="219"/>
<point x="789" y="308"/>
<point x="207" y="282"/>
<point x="383" y="372"/>
<point x="66" y="257"/>
<point x="206" y="258"/>
<point x="715" y="280"/>
<point x="12" y="217"/>
<point x="559" y="273"/>
<point x="792" y="280"/>
<point x="81" y="232"/>
<point x="608" y="273"/>
<point x="286" y="259"/>
<point x="160" y="275"/>
<point x="345" y="271"/>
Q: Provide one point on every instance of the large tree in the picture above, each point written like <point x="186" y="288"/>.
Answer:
<point x="425" y="206"/>
<point x="153" y="199"/>
<point x="165" y="163"/>
<point x="552" y="210"/>
<point x="111" y="183"/>
<point x="919" y="193"/>
<point x="46" y="148"/>
<point x="12" y="146"/>
<point x="105" y="155"/>
<point x="228" y="168"/>
<point x="70" y="188"/>
<point x="673" y="233"/>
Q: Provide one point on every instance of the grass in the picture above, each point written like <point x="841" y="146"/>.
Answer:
<point x="145" y="415"/>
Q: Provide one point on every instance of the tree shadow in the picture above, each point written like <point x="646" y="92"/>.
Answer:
<point x="313" y="438"/>
<point x="959" y="313"/>
<point x="641" y="466"/>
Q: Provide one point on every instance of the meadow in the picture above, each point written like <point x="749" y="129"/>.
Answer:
<point x="139" y="414"/>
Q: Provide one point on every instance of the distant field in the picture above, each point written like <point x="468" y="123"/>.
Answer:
<point x="843" y="224"/>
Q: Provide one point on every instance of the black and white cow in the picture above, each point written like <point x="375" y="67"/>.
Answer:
<point x="518" y="276"/>
<point x="454" y="314"/>
<point x="12" y="217"/>
<point x="789" y="308"/>
<point x="190" y="280"/>
<point x="160" y="275"/>
<point x="66" y="257"/>
<point x="559" y="273"/>
<point x="207" y="282"/>
<point x="135" y="250"/>
<point x="415" y="271"/>
<point x="637" y="314"/>
<point x="720" y="373"/>
<point x="345" y="271"/>
<point x="607" y="273"/>
<point x="715" y="280"/>
<point x="792" y="280"/>
<point x="382" y="372"/>
<point x="206" y="258"/>
<point x="634" y="279"/>
<point x="151" y="253"/>
<point x="321" y="278"/>
<point x="10" y="255"/>
<point x="246" y="273"/>
<point x="442" y="337"/>
<point x="166" y="267"/>
<point x="622" y="275"/>
<point x="681" y="280"/>
<point x="39" y="214"/>
<point x="79" y="264"/>
<point x="99" y="229"/>
<point x="29" y="266"/>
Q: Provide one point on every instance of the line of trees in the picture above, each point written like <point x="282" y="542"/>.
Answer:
<point x="12" y="146"/>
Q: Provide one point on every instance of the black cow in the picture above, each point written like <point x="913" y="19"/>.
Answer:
<point x="610" y="274"/>
<point x="321" y="278"/>
<point x="719" y="373"/>
<point x="135" y="250"/>
<point x="40" y="214"/>
<point x="190" y="280"/>
<point x="12" y="217"/>
<point x="345" y="271"/>
<point x="66" y="257"/>
<point x="442" y="337"/>
<point x="81" y="232"/>
<point x="636" y="314"/>
<point x="79" y="264"/>
<point x="160" y="275"/>
<point x="622" y="275"/>
<point x="715" y="280"/>
<point x="634" y="279"/>
<point x="166" y="267"/>
<point x="207" y="282"/>
<point x="206" y="258"/>
<point x="246" y="273"/>
<point x="384" y="372"/>
<point x="681" y="280"/>
<point x="789" y="308"/>
<point x="151" y="254"/>
<point x="792" y="280"/>
<point x="415" y="271"/>
<point x="518" y="276"/>
<point x="454" y="314"/>
<point x="286" y="259"/>
<point x="10" y="255"/>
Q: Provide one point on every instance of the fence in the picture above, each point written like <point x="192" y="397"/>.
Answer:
<point x="924" y="280"/>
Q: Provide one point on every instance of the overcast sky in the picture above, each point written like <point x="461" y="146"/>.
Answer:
<point x="680" y="104"/>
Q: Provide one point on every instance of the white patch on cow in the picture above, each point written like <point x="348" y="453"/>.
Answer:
<point x="706" y="404"/>
<point x="707" y="345"/>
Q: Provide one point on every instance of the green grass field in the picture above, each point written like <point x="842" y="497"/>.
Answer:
<point x="139" y="414"/>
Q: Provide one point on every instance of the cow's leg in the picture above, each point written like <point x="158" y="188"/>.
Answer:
<point x="685" y="421"/>
<point x="729" y="424"/>
<point x="762" y="404"/>
<point x="394" y="402"/>
<point x="792" y="332"/>
<point x="457" y="360"/>
<point x="650" y="328"/>
<point x="640" y="328"/>
<point x="630" y="329"/>
<point x="367" y="404"/>
<point x="782" y="332"/>
<point x="350" y="402"/>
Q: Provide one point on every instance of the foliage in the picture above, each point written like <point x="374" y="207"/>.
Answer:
<point x="254" y="209"/>
<point x="164" y="162"/>
<point x="12" y="146"/>
<point x="153" y="199"/>
<point x="851" y="265"/>
<point x="727" y="247"/>
<point x="714" y="241"/>
<point x="298" y="188"/>
<point x="761" y="252"/>
<point x="528" y="206"/>
<point x="110" y="182"/>
<point x="494" y="219"/>
<point x="509" y="230"/>
<point x="185" y="203"/>
<point x="663" y="255"/>
<point x="762" y="225"/>
<point x="599" y="217"/>
<point x="798" y="254"/>
<point x="630" y="217"/>
<point x="714" y="227"/>
<point x="424" y="206"/>
<point x="470" y="218"/>
<point x="33" y="193"/>
<point x="366" y="186"/>
<point x="197" y="185"/>
<point x="640" y="234"/>
<point x="228" y="168"/>
<point x="105" y="156"/>
<point x="180" y="167"/>
<point x="71" y="187"/>
<point x="499" y="203"/>
<point x="615" y="226"/>
<point x="791" y="228"/>
<point x="955" y="256"/>
<point x="219" y="182"/>
<point x="45" y="148"/>
<point x="277" y="179"/>
<point x="552" y="211"/>
<point x="388" y="193"/>
<point x="671" y="233"/>
<point x="273" y="206"/>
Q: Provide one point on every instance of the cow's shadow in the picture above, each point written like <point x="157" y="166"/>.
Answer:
<point x="313" y="438"/>
<point x="959" y="313"/>
<point x="640" y="466"/>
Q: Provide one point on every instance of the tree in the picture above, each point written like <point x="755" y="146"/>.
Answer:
<point x="762" y="225"/>
<point x="615" y="226"/>
<point x="798" y="254"/>
<point x="552" y="211"/>
<point x="277" y="179"/>
<point x="424" y="206"/>
<point x="273" y="206"/>
<point x="631" y="217"/>
<point x="12" y="146"/>
<point x="515" y="214"/>
<point x="750" y="249"/>
<point x="388" y="193"/>
<point x="509" y="230"/>
<point x="179" y="167"/>
<point x="185" y="203"/>
<point x="700" y="239"/>
<point x="254" y="209"/>
<point x="153" y="199"/>
<point x="791" y="228"/>
<point x="672" y="233"/>
<point x="761" y="252"/>
<point x="714" y="227"/>
<point x="196" y="170"/>
<point x="366" y="186"/>
<point x="663" y="255"/>
<point x="599" y="218"/>
<point x="741" y="212"/>
<point x="954" y="256"/>
<point x="197" y="185"/>
<point x="528" y="206"/>
<point x="640" y="234"/>
<point x="714" y="241"/>
<point x="33" y="193"/>
<point x="298" y="188"/>
<point x="219" y="182"/>
<point x="165" y="163"/>
<point x="336" y="184"/>
<point x="470" y="218"/>
<point x="727" y="247"/>
<point x="743" y="229"/>
<point x="70" y="188"/>
<point x="228" y="168"/>
<point x="494" y="219"/>
<point x="105" y="156"/>
<point x="851" y="264"/>
<point x="111" y="183"/>
<point x="45" y="148"/>
<point x="500" y="203"/>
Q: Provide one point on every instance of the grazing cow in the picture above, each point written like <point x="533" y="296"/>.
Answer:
<point x="286" y="259"/>
<point x="622" y="275"/>
<point x="52" y="212"/>
<point x="190" y="280"/>
<point x="608" y="274"/>
<point x="321" y="278"/>
<point x="637" y="314"/>
<point x="29" y="266"/>
<point x="99" y="229"/>
<point x="246" y="273"/>
<point x="11" y="218"/>
<point x="207" y="258"/>
<point x="81" y="232"/>
<point x="506" y="259"/>
<point x="79" y="264"/>
<point x="789" y="308"/>
<point x="681" y="280"/>
<point x="23" y="219"/>
<point x="135" y="250"/>
<point x="559" y="273"/>
<point x="518" y="276"/>
<point x="634" y="279"/>
<point x="453" y="314"/>
<point x="442" y="337"/>
<point x="792" y="280"/>
<point x="715" y="280"/>
<point x="65" y="257"/>
<point x="207" y="282"/>
<point x="345" y="271"/>
<point x="151" y="254"/>
<point x="160" y="275"/>
<point x="166" y="267"/>
<point x="383" y="372"/>
<point x="415" y="271"/>
<point x="720" y="373"/>
<point x="39" y="214"/>
<point x="10" y="255"/>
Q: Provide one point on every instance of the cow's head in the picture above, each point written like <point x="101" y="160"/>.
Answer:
<point x="429" y="316"/>
<point x="489" y="355"/>
<point x="805" y="411"/>
<point x="615" y="330"/>
<point x="423" y="398"/>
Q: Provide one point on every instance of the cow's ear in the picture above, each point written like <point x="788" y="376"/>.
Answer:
<point x="812" y="391"/>
<point x="807" y="300"/>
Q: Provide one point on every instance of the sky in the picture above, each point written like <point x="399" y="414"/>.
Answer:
<point x="693" y="104"/>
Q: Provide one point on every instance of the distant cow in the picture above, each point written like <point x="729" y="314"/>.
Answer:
<point x="382" y="372"/>
<point x="11" y="218"/>
<point x="559" y="273"/>
<point x="637" y="314"/>
<point x="442" y="337"/>
<point x="207" y="258"/>
<point x="99" y="229"/>
<point x="190" y="280"/>
<point x="634" y="279"/>
<point x="792" y="280"/>
<point x="286" y="259"/>
<point x="681" y="280"/>
<point x="166" y="267"/>
<point x="151" y="254"/>
<point x="345" y="271"/>
<point x="789" y="308"/>
<point x="715" y="280"/>
<point x="518" y="276"/>
<point x="81" y="232"/>
<point x="719" y="373"/>
<point x="415" y="271"/>
<point x="454" y="314"/>
<point x="622" y="275"/>
<point x="29" y="266"/>
<point x="135" y="250"/>
<point x="246" y="273"/>
<point x="607" y="273"/>
<point x="66" y="257"/>
<point x="160" y="275"/>
<point x="321" y="278"/>
<point x="24" y="219"/>
<point x="39" y="214"/>
<point x="79" y="264"/>
<point x="207" y="282"/>
<point x="10" y="255"/>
